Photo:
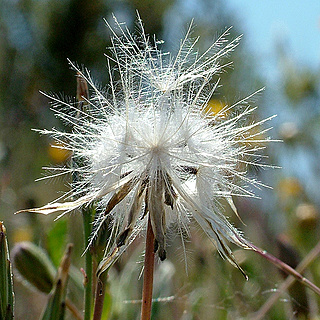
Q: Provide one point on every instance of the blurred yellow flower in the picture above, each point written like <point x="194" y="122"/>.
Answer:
<point x="22" y="234"/>
<point x="58" y="153"/>
<point x="213" y="107"/>
<point x="289" y="187"/>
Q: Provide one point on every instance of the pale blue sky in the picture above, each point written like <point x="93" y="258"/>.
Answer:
<point x="295" y="22"/>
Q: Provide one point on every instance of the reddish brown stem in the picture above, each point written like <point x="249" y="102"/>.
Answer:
<point x="99" y="297"/>
<point x="312" y="255"/>
<point x="287" y="269"/>
<point x="148" y="275"/>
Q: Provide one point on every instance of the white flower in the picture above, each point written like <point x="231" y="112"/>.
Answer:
<point x="147" y="147"/>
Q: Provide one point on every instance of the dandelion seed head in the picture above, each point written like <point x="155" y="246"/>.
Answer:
<point x="147" y="145"/>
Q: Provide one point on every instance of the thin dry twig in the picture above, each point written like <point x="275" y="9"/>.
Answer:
<point x="73" y="309"/>
<point x="313" y="254"/>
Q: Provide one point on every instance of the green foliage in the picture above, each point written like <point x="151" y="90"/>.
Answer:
<point x="6" y="286"/>
<point x="34" y="265"/>
<point x="56" y="306"/>
<point x="37" y="37"/>
<point x="56" y="240"/>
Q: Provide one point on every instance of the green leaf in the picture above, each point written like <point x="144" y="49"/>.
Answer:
<point x="6" y="289"/>
<point x="55" y="309"/>
<point x="56" y="240"/>
<point x="34" y="266"/>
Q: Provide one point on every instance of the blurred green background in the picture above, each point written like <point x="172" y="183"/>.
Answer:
<point x="37" y="37"/>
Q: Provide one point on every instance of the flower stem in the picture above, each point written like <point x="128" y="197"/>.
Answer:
<point x="313" y="254"/>
<point x="99" y="297"/>
<point x="287" y="269"/>
<point x="148" y="275"/>
<point x="87" y="217"/>
<point x="87" y="213"/>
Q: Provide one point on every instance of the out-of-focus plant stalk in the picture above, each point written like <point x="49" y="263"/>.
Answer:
<point x="56" y="305"/>
<point x="6" y="288"/>
<point x="313" y="254"/>
<point x="287" y="269"/>
<point x="87" y="213"/>
<point x="34" y="266"/>
<point x="87" y="222"/>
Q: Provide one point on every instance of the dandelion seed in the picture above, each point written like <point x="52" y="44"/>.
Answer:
<point x="147" y="146"/>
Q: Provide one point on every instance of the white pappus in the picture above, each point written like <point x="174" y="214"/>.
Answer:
<point x="148" y="147"/>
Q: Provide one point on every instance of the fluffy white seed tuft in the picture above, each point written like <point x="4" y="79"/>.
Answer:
<point x="147" y="146"/>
